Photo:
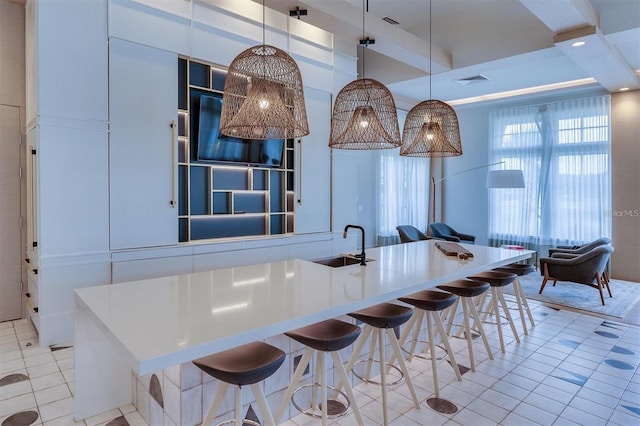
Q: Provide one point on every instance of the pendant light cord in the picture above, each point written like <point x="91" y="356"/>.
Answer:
<point x="430" y="59"/>
<point x="263" y="22"/>
<point x="365" y="45"/>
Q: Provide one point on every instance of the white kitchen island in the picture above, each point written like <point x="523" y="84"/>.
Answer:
<point x="149" y="325"/>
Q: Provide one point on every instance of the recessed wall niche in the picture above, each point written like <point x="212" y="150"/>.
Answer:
<point x="228" y="187"/>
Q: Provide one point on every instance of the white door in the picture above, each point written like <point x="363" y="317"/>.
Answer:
<point x="143" y="102"/>
<point x="10" y="252"/>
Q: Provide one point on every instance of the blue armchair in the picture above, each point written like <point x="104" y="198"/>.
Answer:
<point x="410" y="233"/>
<point x="444" y="231"/>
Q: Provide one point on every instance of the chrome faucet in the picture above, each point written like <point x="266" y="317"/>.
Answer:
<point x="362" y="256"/>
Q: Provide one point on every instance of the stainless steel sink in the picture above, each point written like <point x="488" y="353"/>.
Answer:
<point x="337" y="261"/>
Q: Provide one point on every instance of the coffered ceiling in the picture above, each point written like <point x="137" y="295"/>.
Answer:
<point x="512" y="44"/>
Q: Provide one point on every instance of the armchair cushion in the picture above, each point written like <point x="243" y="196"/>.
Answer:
<point x="444" y="231"/>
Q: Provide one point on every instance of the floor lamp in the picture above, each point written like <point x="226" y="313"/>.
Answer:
<point x="505" y="179"/>
<point x="432" y="195"/>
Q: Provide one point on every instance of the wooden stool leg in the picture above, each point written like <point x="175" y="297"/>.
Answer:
<point x="508" y="314"/>
<point x="445" y="341"/>
<point x="359" y="344"/>
<point x="525" y="303"/>
<point x="372" y="348"/>
<point x="337" y="363"/>
<point x="323" y="385"/>
<point x="297" y="375"/>
<point x="480" y="305"/>
<point x="238" y="403"/>
<point x="432" y="349"/>
<point x="518" y="296"/>
<point x="403" y="366"/>
<point x="496" y="312"/>
<point x="317" y="378"/>
<point x="217" y="402"/>
<point x="408" y="328"/>
<point x="467" y="330"/>
<point x="477" y="323"/>
<point x="416" y="332"/>
<point x="383" y="377"/>
<point x="262" y="403"/>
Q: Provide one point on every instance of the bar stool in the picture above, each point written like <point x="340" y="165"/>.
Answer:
<point x="466" y="290"/>
<point x="245" y="365"/>
<point x="428" y="303"/>
<point x="384" y="316"/>
<point x="520" y="269"/>
<point x="497" y="280"/>
<point x="327" y="336"/>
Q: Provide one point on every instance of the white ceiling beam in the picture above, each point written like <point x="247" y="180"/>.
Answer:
<point x="577" y="20"/>
<point x="563" y="15"/>
<point x="390" y="41"/>
<point x="598" y="58"/>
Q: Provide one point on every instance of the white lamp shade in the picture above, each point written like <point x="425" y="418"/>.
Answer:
<point x="505" y="179"/>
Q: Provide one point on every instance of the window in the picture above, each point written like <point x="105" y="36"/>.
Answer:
<point x="403" y="192"/>
<point x="564" y="151"/>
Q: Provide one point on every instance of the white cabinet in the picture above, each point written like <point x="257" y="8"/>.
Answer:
<point x="313" y="167"/>
<point x="143" y="95"/>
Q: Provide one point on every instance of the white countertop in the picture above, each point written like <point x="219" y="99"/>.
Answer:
<point x="165" y="321"/>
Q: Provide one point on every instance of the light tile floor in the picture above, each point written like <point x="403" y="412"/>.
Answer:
<point x="572" y="369"/>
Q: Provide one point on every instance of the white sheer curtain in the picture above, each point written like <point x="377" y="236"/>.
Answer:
<point x="563" y="149"/>
<point x="403" y="192"/>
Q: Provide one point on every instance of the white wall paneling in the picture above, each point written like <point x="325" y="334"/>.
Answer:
<point x="71" y="59"/>
<point x="344" y="189"/>
<point x="315" y="75"/>
<point x="177" y="8"/>
<point x="313" y="167"/>
<point x="322" y="55"/>
<point x="310" y="34"/>
<point x="55" y="297"/>
<point x="132" y="270"/>
<point x="73" y="190"/>
<point x="213" y="46"/>
<point x="151" y="26"/>
<point x="143" y="96"/>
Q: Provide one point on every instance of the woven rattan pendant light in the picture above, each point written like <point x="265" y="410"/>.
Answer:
<point x="431" y="128"/>
<point x="364" y="113"/>
<point x="263" y="95"/>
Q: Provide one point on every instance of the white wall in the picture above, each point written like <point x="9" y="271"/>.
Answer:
<point x="464" y="196"/>
<point x="625" y="149"/>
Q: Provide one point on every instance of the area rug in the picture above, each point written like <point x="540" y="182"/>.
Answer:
<point x="578" y="296"/>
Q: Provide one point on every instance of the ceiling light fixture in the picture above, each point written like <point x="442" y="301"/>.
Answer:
<point x="624" y="89"/>
<point x="263" y="95"/>
<point x="578" y="43"/>
<point x="431" y="128"/>
<point x="364" y="113"/>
